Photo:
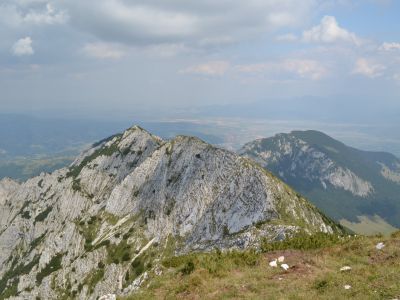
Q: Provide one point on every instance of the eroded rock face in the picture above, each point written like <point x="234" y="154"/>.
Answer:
<point x="391" y="171"/>
<point x="290" y="156"/>
<point x="100" y="226"/>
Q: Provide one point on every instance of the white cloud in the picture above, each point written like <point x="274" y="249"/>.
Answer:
<point x="329" y="31"/>
<point x="368" y="68"/>
<point x="256" y="68"/>
<point x="28" y="3"/>
<point x="303" y="68"/>
<point x="197" y="23"/>
<point x="104" y="51"/>
<point x="389" y="46"/>
<point x="29" y="13"/>
<point x="166" y="50"/>
<point x="48" y="16"/>
<point x="213" y="68"/>
<point x="23" y="47"/>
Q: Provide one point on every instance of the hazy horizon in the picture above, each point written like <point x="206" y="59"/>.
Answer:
<point x="329" y="65"/>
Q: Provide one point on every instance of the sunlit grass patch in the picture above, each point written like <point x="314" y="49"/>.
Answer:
<point x="314" y="272"/>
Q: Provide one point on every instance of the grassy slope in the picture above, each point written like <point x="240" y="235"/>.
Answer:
<point x="369" y="225"/>
<point x="314" y="274"/>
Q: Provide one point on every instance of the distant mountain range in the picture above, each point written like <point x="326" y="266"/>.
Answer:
<point x="361" y="189"/>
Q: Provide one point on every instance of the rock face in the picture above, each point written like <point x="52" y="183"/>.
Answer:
<point x="342" y="181"/>
<point x="100" y="227"/>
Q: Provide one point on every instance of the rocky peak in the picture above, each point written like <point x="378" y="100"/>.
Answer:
<point x="290" y="156"/>
<point x="7" y="185"/>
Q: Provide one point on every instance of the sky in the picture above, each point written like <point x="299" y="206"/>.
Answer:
<point x="117" y="58"/>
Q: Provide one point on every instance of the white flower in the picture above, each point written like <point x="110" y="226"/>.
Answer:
<point x="345" y="268"/>
<point x="273" y="264"/>
<point x="347" y="287"/>
<point x="108" y="297"/>
<point x="285" y="267"/>
<point x="380" y="246"/>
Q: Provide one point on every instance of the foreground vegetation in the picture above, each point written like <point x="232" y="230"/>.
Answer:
<point x="314" y="272"/>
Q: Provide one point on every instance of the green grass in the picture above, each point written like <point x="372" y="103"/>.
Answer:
<point x="26" y="215"/>
<point x="119" y="253"/>
<point x="104" y="150"/>
<point x="89" y="230"/>
<point x="53" y="266"/>
<point x="43" y="215"/>
<point x="36" y="242"/>
<point x="93" y="279"/>
<point x="314" y="273"/>
<point x="216" y="263"/>
<point x="136" y="268"/>
<point x="303" y="241"/>
<point x="9" y="281"/>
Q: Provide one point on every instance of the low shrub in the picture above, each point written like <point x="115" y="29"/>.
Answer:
<point x="93" y="279"/>
<point x="303" y="241"/>
<point x="188" y="268"/>
<point x="216" y="263"/>
<point x="43" y="215"/>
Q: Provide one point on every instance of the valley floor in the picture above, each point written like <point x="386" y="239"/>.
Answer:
<point x="369" y="225"/>
<point x="313" y="273"/>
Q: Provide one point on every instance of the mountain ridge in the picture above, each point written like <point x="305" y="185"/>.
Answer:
<point x="103" y="224"/>
<point x="342" y="181"/>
